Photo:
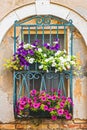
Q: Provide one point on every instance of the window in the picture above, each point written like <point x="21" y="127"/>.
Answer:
<point x="46" y="29"/>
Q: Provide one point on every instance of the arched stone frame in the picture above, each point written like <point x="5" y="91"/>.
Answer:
<point x="35" y="9"/>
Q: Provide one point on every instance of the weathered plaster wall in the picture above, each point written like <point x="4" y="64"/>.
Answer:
<point x="79" y="6"/>
<point x="6" y="82"/>
<point x="7" y="6"/>
<point x="80" y="82"/>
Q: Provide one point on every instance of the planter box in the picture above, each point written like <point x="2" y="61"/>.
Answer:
<point x="38" y="114"/>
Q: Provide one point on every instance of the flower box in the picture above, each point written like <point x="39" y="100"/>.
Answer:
<point x="42" y="104"/>
<point x="44" y="57"/>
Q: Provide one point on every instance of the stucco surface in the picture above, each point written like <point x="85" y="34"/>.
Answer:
<point x="79" y="6"/>
<point x="7" y="6"/>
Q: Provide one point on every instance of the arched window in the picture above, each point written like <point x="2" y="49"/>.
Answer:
<point x="45" y="29"/>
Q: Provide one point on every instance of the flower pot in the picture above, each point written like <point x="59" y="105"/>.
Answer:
<point x="40" y="114"/>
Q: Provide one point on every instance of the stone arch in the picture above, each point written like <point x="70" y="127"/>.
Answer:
<point x="38" y="9"/>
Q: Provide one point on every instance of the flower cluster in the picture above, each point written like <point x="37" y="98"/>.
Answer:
<point x="46" y="55"/>
<point x="53" y="103"/>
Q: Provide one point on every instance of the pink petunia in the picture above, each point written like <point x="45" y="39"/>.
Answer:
<point x="21" y="107"/>
<point x="51" y="109"/>
<point x="48" y="96"/>
<point x="54" y="117"/>
<point x="60" y="112"/>
<point x="68" y="116"/>
<point x="66" y="112"/>
<point x="45" y="107"/>
<point x="69" y="100"/>
<point x="53" y="97"/>
<point x="48" y="103"/>
<point x="22" y="102"/>
<point x="36" y="105"/>
<point x="33" y="92"/>
<point x="29" y="100"/>
<point x="61" y="104"/>
<point x="43" y="98"/>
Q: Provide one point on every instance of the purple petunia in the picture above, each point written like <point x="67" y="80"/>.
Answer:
<point x="47" y="45"/>
<point x="31" y="52"/>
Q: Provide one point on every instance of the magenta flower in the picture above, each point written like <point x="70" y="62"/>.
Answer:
<point x="68" y="116"/>
<point x="45" y="107"/>
<point x="61" y="104"/>
<point x="29" y="100"/>
<point x="21" y="107"/>
<point x="48" y="96"/>
<point x="54" y="117"/>
<point x="36" y="105"/>
<point x="33" y="92"/>
<point x="53" y="97"/>
<point x="66" y="112"/>
<point x="60" y="112"/>
<point x="43" y="98"/>
<point x="63" y="97"/>
<point x="69" y="100"/>
<point x="59" y="92"/>
<point x="48" y="103"/>
<point x="22" y="102"/>
<point x="51" y="109"/>
<point x="35" y="99"/>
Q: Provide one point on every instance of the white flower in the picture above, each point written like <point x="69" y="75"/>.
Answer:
<point x="51" y="58"/>
<point x="41" y="66"/>
<point x="46" y="60"/>
<point x="32" y="46"/>
<point x="48" y="44"/>
<point x="68" y="66"/>
<point x="53" y="64"/>
<point x="72" y="62"/>
<point x="56" y="70"/>
<point x="47" y="71"/>
<point x="64" y="51"/>
<point x="39" y="49"/>
<point x="31" y="60"/>
<point x="61" y="58"/>
<point x="68" y="58"/>
<point x="57" y="53"/>
<point x="45" y="55"/>
<point x="55" y="42"/>
<point x="26" y="45"/>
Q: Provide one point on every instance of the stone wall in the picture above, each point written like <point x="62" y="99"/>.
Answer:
<point x="44" y="124"/>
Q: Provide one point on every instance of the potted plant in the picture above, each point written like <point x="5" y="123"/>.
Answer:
<point x="43" y="104"/>
<point x="45" y="57"/>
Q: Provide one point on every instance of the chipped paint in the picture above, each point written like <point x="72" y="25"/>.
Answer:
<point x="77" y="90"/>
